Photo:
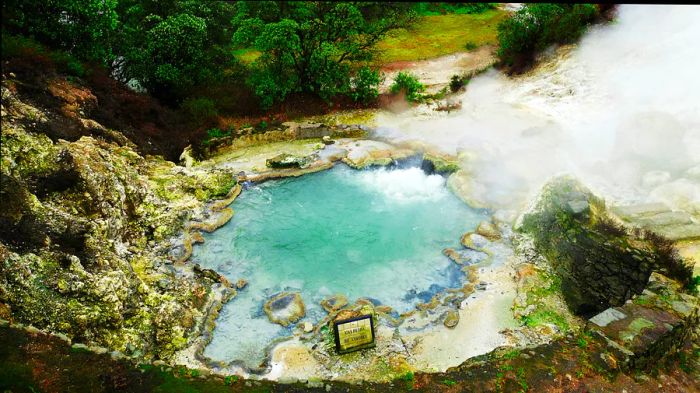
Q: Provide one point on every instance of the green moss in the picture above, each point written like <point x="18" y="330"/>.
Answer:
<point x="635" y="328"/>
<point x="449" y="382"/>
<point x="442" y="164"/>
<point x="407" y="379"/>
<point x="545" y="316"/>
<point x="25" y="154"/>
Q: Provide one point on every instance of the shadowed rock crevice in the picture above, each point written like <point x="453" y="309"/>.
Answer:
<point x="599" y="263"/>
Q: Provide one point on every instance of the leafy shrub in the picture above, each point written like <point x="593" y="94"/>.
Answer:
<point x="470" y="46"/>
<point x="365" y="85"/>
<point x="669" y="262"/>
<point x="199" y="109"/>
<point x="18" y="46"/>
<point x="261" y="126"/>
<point x="430" y="9"/>
<point x="409" y="84"/>
<point x="217" y="133"/>
<point x="449" y="382"/>
<point x="67" y="63"/>
<point x="536" y="26"/>
<point x="456" y="83"/>
<point x="230" y="380"/>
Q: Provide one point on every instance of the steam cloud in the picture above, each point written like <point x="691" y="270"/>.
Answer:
<point x="621" y="111"/>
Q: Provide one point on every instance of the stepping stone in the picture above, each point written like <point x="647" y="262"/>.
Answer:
<point x="644" y="330"/>
<point x="608" y="316"/>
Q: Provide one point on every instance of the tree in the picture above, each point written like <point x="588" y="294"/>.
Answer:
<point x="85" y="28"/>
<point x="170" y="46"/>
<point x="536" y="26"/>
<point x="311" y="46"/>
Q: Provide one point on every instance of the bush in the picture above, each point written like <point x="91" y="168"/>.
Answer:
<point x="409" y="84"/>
<point x="456" y="83"/>
<point x="200" y="109"/>
<point x="18" y="46"/>
<point x="536" y="26"/>
<point x="365" y="85"/>
<point x="67" y="63"/>
<point x="669" y="262"/>
<point x="470" y="46"/>
<point x="430" y="9"/>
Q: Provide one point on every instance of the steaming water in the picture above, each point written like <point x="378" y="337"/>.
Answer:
<point x="621" y="111"/>
<point x="377" y="234"/>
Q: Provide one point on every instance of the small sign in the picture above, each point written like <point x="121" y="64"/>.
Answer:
<point x="354" y="334"/>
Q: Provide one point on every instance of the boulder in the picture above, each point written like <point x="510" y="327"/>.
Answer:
<point x="334" y="303"/>
<point x="601" y="265"/>
<point x="440" y="164"/>
<point x="327" y="140"/>
<point x="464" y="257"/>
<point x="285" y="308"/>
<point x="286" y="160"/>
<point x="186" y="158"/>
<point x="307" y="327"/>
<point x="241" y="283"/>
<point x="451" y="319"/>
<point x="488" y="230"/>
<point x="474" y="241"/>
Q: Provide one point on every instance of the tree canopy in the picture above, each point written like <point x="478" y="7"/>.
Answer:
<point x="311" y="46"/>
<point x="171" y="46"/>
<point x="536" y="26"/>
<point x="85" y="28"/>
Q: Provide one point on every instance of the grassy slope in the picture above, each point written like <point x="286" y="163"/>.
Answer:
<point x="440" y="35"/>
<point x="431" y="36"/>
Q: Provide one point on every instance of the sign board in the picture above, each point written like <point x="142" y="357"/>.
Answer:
<point x="354" y="334"/>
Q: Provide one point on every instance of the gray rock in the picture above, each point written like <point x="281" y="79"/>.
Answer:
<point x="680" y="232"/>
<point x="285" y="308"/>
<point x="286" y="160"/>
<point x="488" y="230"/>
<point x="474" y="241"/>
<point x="451" y="319"/>
<point x="607" y="317"/>
<point x="666" y="218"/>
<point x="578" y="207"/>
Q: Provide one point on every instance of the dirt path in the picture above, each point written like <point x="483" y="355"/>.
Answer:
<point x="436" y="73"/>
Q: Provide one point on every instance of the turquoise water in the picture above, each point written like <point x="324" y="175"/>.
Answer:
<point x="375" y="233"/>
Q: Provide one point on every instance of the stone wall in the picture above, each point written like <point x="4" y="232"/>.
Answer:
<point x="599" y="263"/>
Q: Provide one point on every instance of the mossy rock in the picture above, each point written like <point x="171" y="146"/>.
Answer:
<point x="440" y="164"/>
<point x="600" y="264"/>
<point x="285" y="308"/>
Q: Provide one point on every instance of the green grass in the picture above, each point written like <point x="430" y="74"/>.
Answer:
<point x="247" y="55"/>
<point x="449" y="382"/>
<point x="439" y="35"/>
<point x="431" y="36"/>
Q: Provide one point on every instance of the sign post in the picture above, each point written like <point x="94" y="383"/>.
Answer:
<point x="354" y="334"/>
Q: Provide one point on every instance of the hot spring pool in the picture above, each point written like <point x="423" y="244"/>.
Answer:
<point x="374" y="233"/>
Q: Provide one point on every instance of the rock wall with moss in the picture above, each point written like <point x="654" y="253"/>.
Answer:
<point x="85" y="230"/>
<point x="600" y="263"/>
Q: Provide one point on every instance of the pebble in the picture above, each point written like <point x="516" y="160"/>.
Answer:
<point x="308" y="327"/>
